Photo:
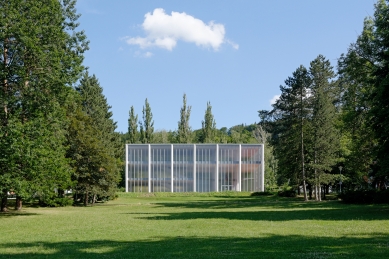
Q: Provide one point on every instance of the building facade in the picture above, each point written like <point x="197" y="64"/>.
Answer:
<point x="194" y="167"/>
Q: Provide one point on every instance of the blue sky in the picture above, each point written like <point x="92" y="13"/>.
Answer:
<point x="234" y="54"/>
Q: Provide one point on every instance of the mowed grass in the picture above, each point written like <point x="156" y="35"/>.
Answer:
<point x="222" y="225"/>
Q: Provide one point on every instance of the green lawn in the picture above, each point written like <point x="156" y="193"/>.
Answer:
<point x="223" y="225"/>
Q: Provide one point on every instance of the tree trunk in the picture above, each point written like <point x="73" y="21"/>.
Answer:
<point x="5" y="86"/>
<point x="4" y="202"/>
<point x="18" y="203"/>
<point x="302" y="146"/>
<point x="94" y="199"/>
<point x="310" y="191"/>
<point x="319" y="188"/>
<point x="316" y="179"/>
<point x="86" y="199"/>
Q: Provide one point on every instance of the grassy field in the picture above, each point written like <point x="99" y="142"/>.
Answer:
<point x="223" y="225"/>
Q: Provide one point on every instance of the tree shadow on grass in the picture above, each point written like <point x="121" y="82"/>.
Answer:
<point x="378" y="212"/>
<point x="247" y="202"/>
<point x="13" y="213"/>
<point x="269" y="246"/>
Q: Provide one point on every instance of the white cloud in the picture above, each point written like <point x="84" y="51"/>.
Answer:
<point x="233" y="44"/>
<point x="274" y="99"/>
<point x="139" y="54"/>
<point x="148" y="54"/>
<point x="164" y="30"/>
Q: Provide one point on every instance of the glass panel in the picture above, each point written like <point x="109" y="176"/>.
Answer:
<point x="137" y="168"/>
<point x="206" y="168"/>
<point x="228" y="167"/>
<point x="251" y="167"/>
<point x="160" y="168"/>
<point x="183" y="168"/>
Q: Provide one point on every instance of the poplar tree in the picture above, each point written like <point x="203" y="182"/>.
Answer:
<point x="41" y="56"/>
<point x="208" y="129"/>
<point x="133" y="126"/>
<point x="147" y="127"/>
<point x="184" y="132"/>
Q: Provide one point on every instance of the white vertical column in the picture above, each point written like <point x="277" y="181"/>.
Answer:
<point x="126" y="176"/>
<point x="262" y="175"/>
<point x="172" y="168"/>
<point x="240" y="169"/>
<point x="149" y="167"/>
<point x="194" y="167"/>
<point x="217" y="167"/>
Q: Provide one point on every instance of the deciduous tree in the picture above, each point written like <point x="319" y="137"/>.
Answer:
<point x="133" y="126"/>
<point x="184" y="132"/>
<point x="208" y="126"/>
<point x="41" y="56"/>
<point x="147" y="126"/>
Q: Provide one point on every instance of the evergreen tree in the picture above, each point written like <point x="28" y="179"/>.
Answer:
<point x="208" y="126"/>
<point x="98" y="155"/>
<point x="133" y="126"/>
<point x="324" y="135"/>
<point x="40" y="57"/>
<point x="147" y="127"/>
<point x="184" y="133"/>
<point x="288" y="123"/>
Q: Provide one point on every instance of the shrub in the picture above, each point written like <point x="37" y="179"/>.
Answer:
<point x="56" y="202"/>
<point x="287" y="193"/>
<point x="261" y="194"/>
<point x="365" y="196"/>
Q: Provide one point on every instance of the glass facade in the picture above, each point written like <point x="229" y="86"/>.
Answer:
<point x="194" y="167"/>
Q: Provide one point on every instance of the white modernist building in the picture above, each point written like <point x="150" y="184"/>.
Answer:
<point x="194" y="167"/>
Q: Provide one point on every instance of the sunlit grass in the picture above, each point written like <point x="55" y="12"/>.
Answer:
<point x="231" y="225"/>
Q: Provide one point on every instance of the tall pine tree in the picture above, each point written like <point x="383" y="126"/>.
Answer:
<point x="324" y="135"/>
<point x="288" y="123"/>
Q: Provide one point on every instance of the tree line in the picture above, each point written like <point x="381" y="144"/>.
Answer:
<point x="183" y="134"/>
<point x="142" y="132"/>
<point x="56" y="128"/>
<point x="331" y="128"/>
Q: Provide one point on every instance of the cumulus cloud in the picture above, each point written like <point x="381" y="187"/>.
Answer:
<point x="164" y="30"/>
<point x="274" y="99"/>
